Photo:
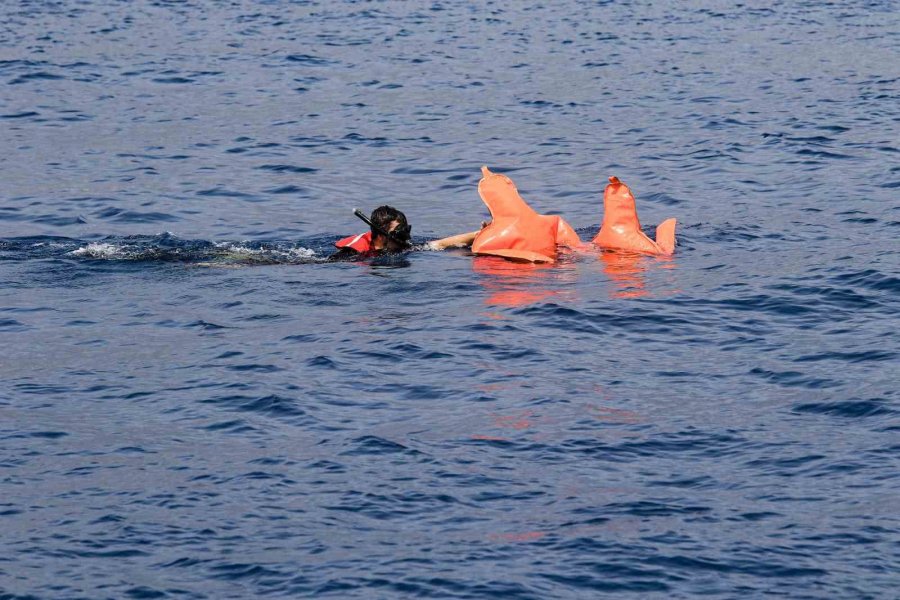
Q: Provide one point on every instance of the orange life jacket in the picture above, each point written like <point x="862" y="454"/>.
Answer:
<point x="362" y="243"/>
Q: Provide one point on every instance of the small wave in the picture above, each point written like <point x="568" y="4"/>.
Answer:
<point x="287" y="169"/>
<point x="99" y="250"/>
<point x="12" y="325"/>
<point x="40" y="75"/>
<point x="309" y="60"/>
<point x="167" y="248"/>
<point x="284" y="254"/>
<point x="20" y="115"/>
<point x="853" y="408"/>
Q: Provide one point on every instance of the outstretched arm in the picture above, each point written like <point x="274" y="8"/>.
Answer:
<point x="461" y="240"/>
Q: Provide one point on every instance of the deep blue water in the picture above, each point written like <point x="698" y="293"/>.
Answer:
<point x="194" y="405"/>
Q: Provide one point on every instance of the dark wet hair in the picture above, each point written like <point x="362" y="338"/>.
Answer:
<point x="383" y="216"/>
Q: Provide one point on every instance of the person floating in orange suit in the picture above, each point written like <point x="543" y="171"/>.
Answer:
<point x="518" y="232"/>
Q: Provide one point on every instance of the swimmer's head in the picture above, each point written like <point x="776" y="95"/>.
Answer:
<point x="388" y="218"/>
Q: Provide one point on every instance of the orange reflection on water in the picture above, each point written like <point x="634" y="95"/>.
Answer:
<point x="614" y="415"/>
<point x="519" y="422"/>
<point x="627" y="271"/>
<point x="488" y="438"/>
<point x="516" y="284"/>
<point x="525" y="536"/>
<point x="553" y="422"/>
<point x="514" y="421"/>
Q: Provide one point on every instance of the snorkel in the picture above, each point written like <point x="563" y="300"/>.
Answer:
<point x="400" y="235"/>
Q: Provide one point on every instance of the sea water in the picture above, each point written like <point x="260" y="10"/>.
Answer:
<point x="195" y="404"/>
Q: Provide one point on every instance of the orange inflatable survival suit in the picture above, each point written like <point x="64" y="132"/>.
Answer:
<point x="621" y="229"/>
<point x="516" y="231"/>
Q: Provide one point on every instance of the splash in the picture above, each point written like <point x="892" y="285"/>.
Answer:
<point x="168" y="247"/>
<point x="266" y="252"/>
<point x="99" y="250"/>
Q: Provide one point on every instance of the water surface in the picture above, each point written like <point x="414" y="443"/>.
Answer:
<point x="195" y="405"/>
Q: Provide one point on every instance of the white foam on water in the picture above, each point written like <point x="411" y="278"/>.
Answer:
<point x="48" y="245"/>
<point x="236" y="250"/>
<point x="300" y="252"/>
<point x="99" y="250"/>
<point x="289" y="253"/>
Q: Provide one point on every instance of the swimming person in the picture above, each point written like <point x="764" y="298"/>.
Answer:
<point x="390" y="232"/>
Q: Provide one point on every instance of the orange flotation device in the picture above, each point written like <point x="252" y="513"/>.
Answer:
<point x="516" y="231"/>
<point x="621" y="229"/>
<point x="362" y="243"/>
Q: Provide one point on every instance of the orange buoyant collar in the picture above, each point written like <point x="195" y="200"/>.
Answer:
<point x="621" y="229"/>
<point x="516" y="231"/>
